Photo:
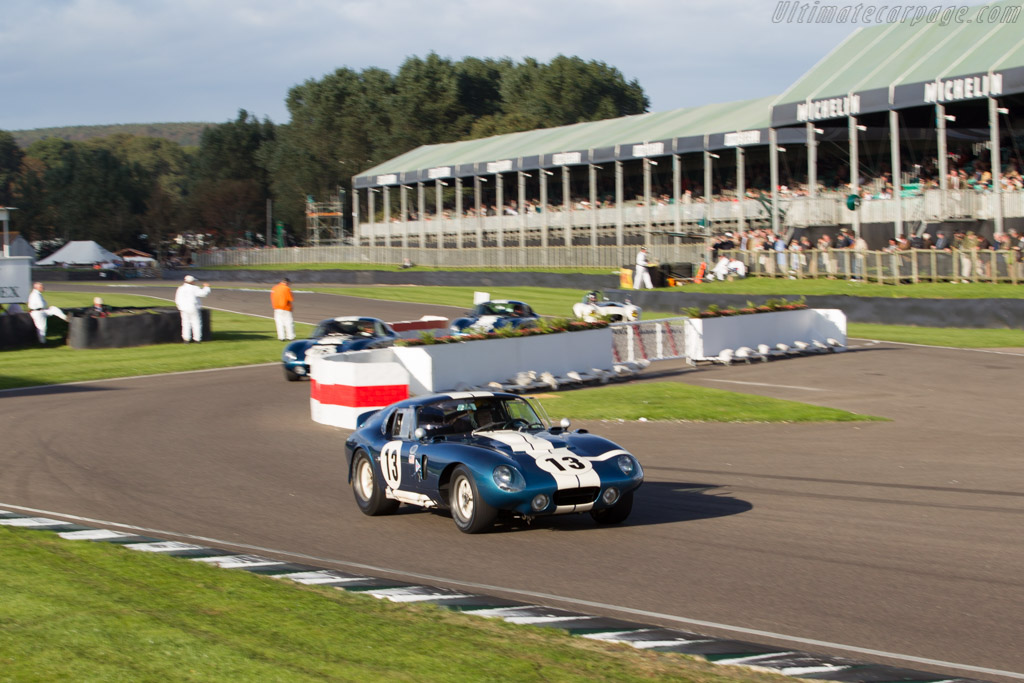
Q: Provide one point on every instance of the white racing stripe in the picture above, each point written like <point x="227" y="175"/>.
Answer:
<point x="568" y="470"/>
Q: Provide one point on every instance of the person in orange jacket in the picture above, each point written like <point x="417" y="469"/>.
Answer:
<point x="281" y="300"/>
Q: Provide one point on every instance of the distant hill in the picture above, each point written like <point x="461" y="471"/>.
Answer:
<point x="185" y="134"/>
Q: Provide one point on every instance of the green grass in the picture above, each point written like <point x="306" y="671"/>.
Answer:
<point x="963" y="338"/>
<point x="245" y="340"/>
<point x="675" y="401"/>
<point x="84" y="611"/>
<point x="236" y="340"/>
<point x="558" y="302"/>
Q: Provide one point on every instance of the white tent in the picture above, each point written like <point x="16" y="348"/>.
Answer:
<point x="84" y="252"/>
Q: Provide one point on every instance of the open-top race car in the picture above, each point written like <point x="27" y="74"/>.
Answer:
<point x="334" y="335"/>
<point x="482" y="454"/>
<point x="593" y="308"/>
<point x="495" y="315"/>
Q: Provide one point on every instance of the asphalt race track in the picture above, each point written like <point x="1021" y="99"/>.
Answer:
<point x="903" y="537"/>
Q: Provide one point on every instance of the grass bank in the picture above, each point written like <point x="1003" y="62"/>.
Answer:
<point x="236" y="340"/>
<point x="675" y="401"/>
<point x="83" y="611"/>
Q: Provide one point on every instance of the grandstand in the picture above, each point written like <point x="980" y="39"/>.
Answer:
<point x="905" y="96"/>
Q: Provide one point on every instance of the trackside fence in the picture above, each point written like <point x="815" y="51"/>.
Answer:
<point x="649" y="340"/>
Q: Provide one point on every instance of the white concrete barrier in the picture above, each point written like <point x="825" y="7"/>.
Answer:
<point x="344" y="386"/>
<point x="446" y="367"/>
<point x="707" y="338"/>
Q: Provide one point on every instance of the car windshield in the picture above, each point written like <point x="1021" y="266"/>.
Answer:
<point x="349" y="328"/>
<point x="500" y="308"/>
<point x="481" y="413"/>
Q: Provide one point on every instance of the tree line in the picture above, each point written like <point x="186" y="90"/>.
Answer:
<point x="127" y="190"/>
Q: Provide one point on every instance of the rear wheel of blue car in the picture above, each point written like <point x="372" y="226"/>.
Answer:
<point x="616" y="513"/>
<point x="472" y="514"/>
<point x="367" y="490"/>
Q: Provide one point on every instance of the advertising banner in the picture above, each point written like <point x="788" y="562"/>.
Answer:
<point x="15" y="279"/>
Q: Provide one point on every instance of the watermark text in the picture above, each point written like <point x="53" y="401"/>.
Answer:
<point x="816" y="12"/>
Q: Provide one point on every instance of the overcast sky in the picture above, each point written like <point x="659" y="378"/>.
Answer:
<point x="88" y="62"/>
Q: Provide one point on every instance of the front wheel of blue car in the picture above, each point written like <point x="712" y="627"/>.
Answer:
<point x="617" y="513"/>
<point x="367" y="490"/>
<point x="472" y="514"/>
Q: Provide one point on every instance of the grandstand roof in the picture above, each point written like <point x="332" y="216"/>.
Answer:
<point x="693" y="129"/>
<point x="911" y="63"/>
<point x="961" y="53"/>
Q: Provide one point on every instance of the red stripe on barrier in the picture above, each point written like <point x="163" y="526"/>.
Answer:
<point x="640" y="343"/>
<point x="358" y="397"/>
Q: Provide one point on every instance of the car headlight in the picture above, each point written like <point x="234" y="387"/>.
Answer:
<point x="290" y="355"/>
<point x="508" y="478"/>
<point x="627" y="464"/>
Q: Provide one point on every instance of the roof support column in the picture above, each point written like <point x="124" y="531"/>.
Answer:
<point x="439" y="211"/>
<point x="593" y="210"/>
<point x="458" y="212"/>
<point x="499" y="202"/>
<point x="421" y="208"/>
<point x="897" y="170"/>
<point x="647" y="199"/>
<point x="940" y="132"/>
<point x="852" y="130"/>
<point x="404" y="205"/>
<point x="387" y="215"/>
<point x="620" y="218"/>
<point x="708" y="202"/>
<point x="477" y="189"/>
<point x="677" y="184"/>
<point x="812" y="160"/>
<point x="773" y="171"/>
<point x="371" y="207"/>
<point x="566" y="208"/>
<point x="995" y="156"/>
<point x="544" y="217"/>
<point x="355" y="216"/>
<point x="522" y="216"/>
<point x="741" y="190"/>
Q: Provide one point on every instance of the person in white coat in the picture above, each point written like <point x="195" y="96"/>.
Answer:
<point x="41" y="311"/>
<point x="186" y="298"/>
<point x="642" y="276"/>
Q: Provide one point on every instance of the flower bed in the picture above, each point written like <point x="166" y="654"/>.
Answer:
<point x="545" y="327"/>
<point x="769" y="306"/>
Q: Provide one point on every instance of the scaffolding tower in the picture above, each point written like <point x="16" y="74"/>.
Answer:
<point x="325" y="221"/>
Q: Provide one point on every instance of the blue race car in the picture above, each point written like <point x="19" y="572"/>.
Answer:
<point x="335" y="335"/>
<point x="481" y="454"/>
<point x="495" y="315"/>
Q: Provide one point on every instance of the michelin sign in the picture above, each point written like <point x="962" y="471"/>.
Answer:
<point x="15" y="279"/>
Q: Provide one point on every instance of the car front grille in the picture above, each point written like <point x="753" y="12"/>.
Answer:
<point x="581" y="496"/>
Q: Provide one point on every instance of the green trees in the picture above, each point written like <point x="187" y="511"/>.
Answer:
<point x="10" y="167"/>
<point x="122" y="187"/>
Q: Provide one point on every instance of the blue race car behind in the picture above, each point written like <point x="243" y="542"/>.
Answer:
<point x="334" y="335"/>
<point x="482" y="454"/>
<point x="495" y="315"/>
